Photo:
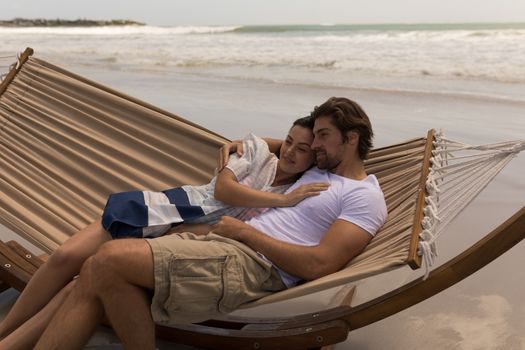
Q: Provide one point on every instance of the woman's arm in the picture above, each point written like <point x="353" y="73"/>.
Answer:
<point x="236" y="146"/>
<point x="274" y="145"/>
<point x="230" y="191"/>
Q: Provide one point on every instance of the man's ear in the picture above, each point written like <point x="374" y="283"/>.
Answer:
<point x="352" y="137"/>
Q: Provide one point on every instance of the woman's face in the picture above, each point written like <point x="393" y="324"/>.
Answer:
<point x="296" y="155"/>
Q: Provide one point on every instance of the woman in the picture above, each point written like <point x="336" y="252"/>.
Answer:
<point x="248" y="184"/>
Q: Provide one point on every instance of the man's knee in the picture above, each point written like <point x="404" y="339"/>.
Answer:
<point x="99" y="269"/>
<point x="108" y="255"/>
<point x="112" y="258"/>
<point x="120" y="261"/>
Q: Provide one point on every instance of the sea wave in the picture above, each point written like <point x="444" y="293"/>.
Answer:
<point x="323" y="27"/>
<point x="466" y="54"/>
<point x="334" y="29"/>
<point x="343" y="69"/>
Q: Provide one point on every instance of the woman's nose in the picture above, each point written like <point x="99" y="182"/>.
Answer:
<point x="289" y="151"/>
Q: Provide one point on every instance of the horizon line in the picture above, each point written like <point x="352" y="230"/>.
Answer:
<point x="328" y="24"/>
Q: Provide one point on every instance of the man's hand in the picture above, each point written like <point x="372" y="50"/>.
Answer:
<point x="198" y="229"/>
<point x="225" y="151"/>
<point x="230" y="228"/>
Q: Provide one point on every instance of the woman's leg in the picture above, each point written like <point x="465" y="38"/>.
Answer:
<point x="51" y="277"/>
<point x="26" y="336"/>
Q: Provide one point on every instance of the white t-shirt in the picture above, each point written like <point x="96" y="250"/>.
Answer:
<point x="359" y="202"/>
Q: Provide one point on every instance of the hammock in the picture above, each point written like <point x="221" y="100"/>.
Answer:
<point x="66" y="143"/>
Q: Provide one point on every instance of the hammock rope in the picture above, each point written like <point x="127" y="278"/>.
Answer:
<point x="456" y="177"/>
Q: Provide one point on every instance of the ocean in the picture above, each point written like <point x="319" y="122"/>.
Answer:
<point x="474" y="59"/>
<point x="467" y="79"/>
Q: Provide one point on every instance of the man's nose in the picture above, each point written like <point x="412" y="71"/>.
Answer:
<point x="315" y="144"/>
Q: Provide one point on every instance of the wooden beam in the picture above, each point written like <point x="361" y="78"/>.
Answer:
<point x="501" y="239"/>
<point x="414" y="260"/>
<point x="15" y="259"/>
<point x="25" y="254"/>
<point x="304" y="320"/>
<point x="11" y="75"/>
<point x="309" y="337"/>
<point x="17" y="265"/>
<point x="12" y="274"/>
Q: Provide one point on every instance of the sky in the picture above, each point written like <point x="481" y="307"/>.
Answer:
<point x="250" y="12"/>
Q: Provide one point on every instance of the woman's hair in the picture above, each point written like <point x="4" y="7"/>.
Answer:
<point x="305" y="122"/>
<point x="347" y="115"/>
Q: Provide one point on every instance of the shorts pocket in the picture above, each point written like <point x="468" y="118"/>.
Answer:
<point x="234" y="290"/>
<point x="195" y="285"/>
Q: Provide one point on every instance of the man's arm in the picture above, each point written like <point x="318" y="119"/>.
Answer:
<point x="340" y="244"/>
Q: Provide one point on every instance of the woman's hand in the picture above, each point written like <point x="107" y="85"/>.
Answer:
<point x="225" y="151"/>
<point x="302" y="192"/>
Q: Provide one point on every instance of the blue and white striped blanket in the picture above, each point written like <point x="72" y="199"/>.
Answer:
<point x="147" y="214"/>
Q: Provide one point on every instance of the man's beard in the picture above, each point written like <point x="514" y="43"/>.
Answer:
<point x="328" y="163"/>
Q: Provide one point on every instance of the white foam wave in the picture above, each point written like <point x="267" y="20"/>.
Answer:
<point x="337" y="36"/>
<point x="336" y="57"/>
<point x="419" y="36"/>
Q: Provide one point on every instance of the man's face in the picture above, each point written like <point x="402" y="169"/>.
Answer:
<point x="328" y="145"/>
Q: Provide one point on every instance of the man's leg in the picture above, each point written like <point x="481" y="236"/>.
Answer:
<point x="115" y="280"/>
<point x="127" y="269"/>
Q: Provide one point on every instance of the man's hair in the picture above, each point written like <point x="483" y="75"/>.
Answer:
<point x="305" y="122"/>
<point x="347" y="115"/>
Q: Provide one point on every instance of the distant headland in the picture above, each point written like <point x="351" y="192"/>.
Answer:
<point x="39" y="22"/>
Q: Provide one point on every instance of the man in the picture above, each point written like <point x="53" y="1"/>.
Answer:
<point x="196" y="277"/>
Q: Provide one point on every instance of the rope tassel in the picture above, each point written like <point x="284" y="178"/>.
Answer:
<point x="456" y="177"/>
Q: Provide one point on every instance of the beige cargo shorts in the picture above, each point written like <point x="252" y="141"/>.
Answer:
<point x="199" y="277"/>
